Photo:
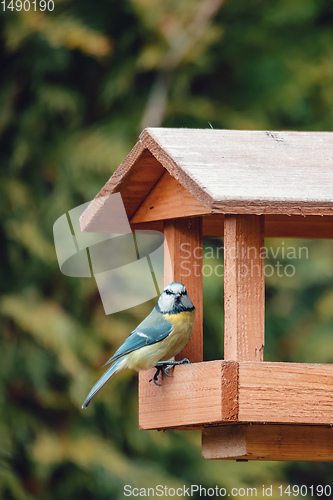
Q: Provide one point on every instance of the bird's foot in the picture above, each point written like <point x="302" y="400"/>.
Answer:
<point x="155" y="378"/>
<point x="165" y="366"/>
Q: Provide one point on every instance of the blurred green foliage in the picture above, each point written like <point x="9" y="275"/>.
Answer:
<point x="77" y="86"/>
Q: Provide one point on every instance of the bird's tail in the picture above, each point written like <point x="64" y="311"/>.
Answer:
<point x="114" y="368"/>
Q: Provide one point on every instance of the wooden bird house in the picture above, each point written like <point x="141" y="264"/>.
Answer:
<point x="243" y="186"/>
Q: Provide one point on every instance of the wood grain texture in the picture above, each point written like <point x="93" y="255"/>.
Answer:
<point x="168" y="200"/>
<point x="183" y="262"/>
<point x="197" y="394"/>
<point x="297" y="226"/>
<point x="268" y="442"/>
<point x="276" y="226"/>
<point x="280" y="226"/>
<point x="297" y="393"/>
<point x="228" y="171"/>
<point x="244" y="288"/>
<point x="134" y="179"/>
<point x="241" y="171"/>
<point x="218" y="392"/>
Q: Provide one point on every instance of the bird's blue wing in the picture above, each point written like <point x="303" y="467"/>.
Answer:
<point x="153" y="328"/>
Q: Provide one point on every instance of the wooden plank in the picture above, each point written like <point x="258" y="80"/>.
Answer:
<point x="268" y="442"/>
<point x="244" y="288"/>
<point x="213" y="225"/>
<point x="196" y="395"/>
<point x="276" y="226"/>
<point x="168" y="200"/>
<point x="217" y="392"/>
<point x="228" y="171"/>
<point x="286" y="393"/>
<point x="183" y="262"/>
<point x="280" y="226"/>
<point x="174" y="165"/>
<point x="297" y="226"/>
<point x="249" y="172"/>
<point x="278" y="393"/>
<point x="134" y="179"/>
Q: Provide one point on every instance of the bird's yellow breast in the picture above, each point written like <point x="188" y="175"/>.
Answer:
<point x="147" y="357"/>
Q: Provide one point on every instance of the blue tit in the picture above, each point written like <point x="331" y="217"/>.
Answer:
<point x="160" y="336"/>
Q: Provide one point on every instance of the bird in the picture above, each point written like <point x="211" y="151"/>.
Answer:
<point x="159" y="337"/>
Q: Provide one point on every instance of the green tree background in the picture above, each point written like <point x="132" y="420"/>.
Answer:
<point x="77" y="86"/>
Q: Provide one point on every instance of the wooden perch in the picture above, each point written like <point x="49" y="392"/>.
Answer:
<point x="215" y="392"/>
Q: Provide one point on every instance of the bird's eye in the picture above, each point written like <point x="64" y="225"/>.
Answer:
<point x="168" y="292"/>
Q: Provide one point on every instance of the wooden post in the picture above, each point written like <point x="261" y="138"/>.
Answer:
<point x="244" y="288"/>
<point x="183" y="262"/>
<point x="244" y="312"/>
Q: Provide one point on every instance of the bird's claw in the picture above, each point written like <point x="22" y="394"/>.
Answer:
<point x="184" y="361"/>
<point x="158" y="370"/>
<point x="166" y="370"/>
<point x="165" y="366"/>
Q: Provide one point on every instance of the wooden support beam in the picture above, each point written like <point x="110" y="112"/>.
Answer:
<point x="244" y="288"/>
<point x="220" y="392"/>
<point x="167" y="200"/>
<point x="299" y="393"/>
<point x="183" y="262"/>
<point x="276" y="226"/>
<point x="268" y="442"/>
<point x="280" y="226"/>
<point x="196" y="395"/>
<point x="297" y="226"/>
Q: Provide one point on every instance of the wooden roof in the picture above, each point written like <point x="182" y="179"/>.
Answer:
<point x="221" y="171"/>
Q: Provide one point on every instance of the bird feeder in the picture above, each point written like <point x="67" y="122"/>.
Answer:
<point x="243" y="186"/>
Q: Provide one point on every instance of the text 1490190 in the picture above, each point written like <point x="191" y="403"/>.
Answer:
<point x="27" y="5"/>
